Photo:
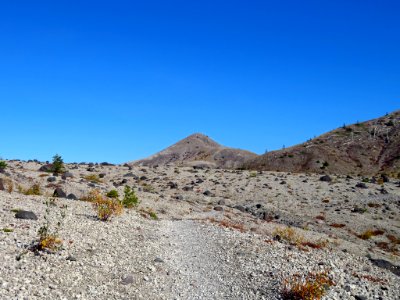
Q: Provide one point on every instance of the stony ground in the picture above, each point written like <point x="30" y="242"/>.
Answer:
<point x="216" y="237"/>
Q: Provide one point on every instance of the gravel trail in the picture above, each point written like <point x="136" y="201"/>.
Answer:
<point x="203" y="260"/>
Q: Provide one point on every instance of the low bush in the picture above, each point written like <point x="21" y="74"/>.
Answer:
<point x="113" y="194"/>
<point x="93" y="178"/>
<point x="106" y="208"/>
<point x="290" y="235"/>
<point x="366" y="235"/>
<point x="3" y="165"/>
<point x="312" y="286"/>
<point x="33" y="190"/>
<point x="49" y="238"/>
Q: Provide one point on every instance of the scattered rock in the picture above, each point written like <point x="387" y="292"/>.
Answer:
<point x="325" y="178"/>
<point x="26" y="215"/>
<point x="222" y="202"/>
<point x="127" y="279"/>
<point x="67" y="175"/>
<point x="51" y="179"/>
<point x="71" y="258"/>
<point x="208" y="193"/>
<point x="384" y="264"/>
<point x="72" y="197"/>
<point x="218" y="208"/>
<point x="172" y="185"/>
<point x="46" y="168"/>
<point x="59" y="193"/>
<point x="361" y="185"/>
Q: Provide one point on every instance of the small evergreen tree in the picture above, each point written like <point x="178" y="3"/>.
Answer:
<point x="3" y="165"/>
<point x="130" y="199"/>
<point x="58" y="164"/>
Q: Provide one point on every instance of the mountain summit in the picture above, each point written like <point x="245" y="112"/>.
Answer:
<point x="198" y="149"/>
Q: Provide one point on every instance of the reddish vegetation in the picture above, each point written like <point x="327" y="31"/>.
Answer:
<point x="337" y="225"/>
<point x="227" y="224"/>
<point x="370" y="278"/>
<point x="310" y="287"/>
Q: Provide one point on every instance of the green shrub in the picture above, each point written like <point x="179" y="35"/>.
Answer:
<point x="3" y="165"/>
<point x="113" y="194"/>
<point x="130" y="199"/>
<point x="58" y="164"/>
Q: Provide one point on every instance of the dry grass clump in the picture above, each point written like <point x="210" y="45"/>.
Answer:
<point x="312" y="286"/>
<point x="33" y="190"/>
<point x="366" y="235"/>
<point x="290" y="235"/>
<point x="93" y="178"/>
<point x="106" y="208"/>
<point x="9" y="185"/>
<point x="91" y="196"/>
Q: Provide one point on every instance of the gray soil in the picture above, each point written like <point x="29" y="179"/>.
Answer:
<point x="220" y="244"/>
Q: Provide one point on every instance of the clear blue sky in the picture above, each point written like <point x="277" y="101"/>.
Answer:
<point x="119" y="80"/>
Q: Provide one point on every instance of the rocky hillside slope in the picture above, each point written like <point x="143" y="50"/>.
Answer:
<point x="198" y="149"/>
<point x="363" y="148"/>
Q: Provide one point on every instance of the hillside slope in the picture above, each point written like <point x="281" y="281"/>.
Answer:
<point x="198" y="149"/>
<point x="370" y="147"/>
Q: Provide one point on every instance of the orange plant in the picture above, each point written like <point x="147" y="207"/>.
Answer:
<point x="310" y="287"/>
<point x="106" y="207"/>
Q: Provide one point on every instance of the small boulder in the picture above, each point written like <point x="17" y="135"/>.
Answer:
<point x="361" y="185"/>
<point x="26" y="215"/>
<point x="218" y="208"/>
<point x="67" y="175"/>
<point x="59" y="193"/>
<point x="172" y="185"/>
<point x="240" y="207"/>
<point x="325" y="178"/>
<point x="208" y="193"/>
<point x="187" y="188"/>
<point x="178" y="197"/>
<point x="72" y="197"/>
<point x="51" y="179"/>
<point x="46" y="168"/>
<point x="127" y="279"/>
<point x="222" y="202"/>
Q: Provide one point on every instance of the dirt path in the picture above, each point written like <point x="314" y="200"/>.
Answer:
<point x="204" y="263"/>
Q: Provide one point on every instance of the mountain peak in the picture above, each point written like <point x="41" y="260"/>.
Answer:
<point x="198" y="148"/>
